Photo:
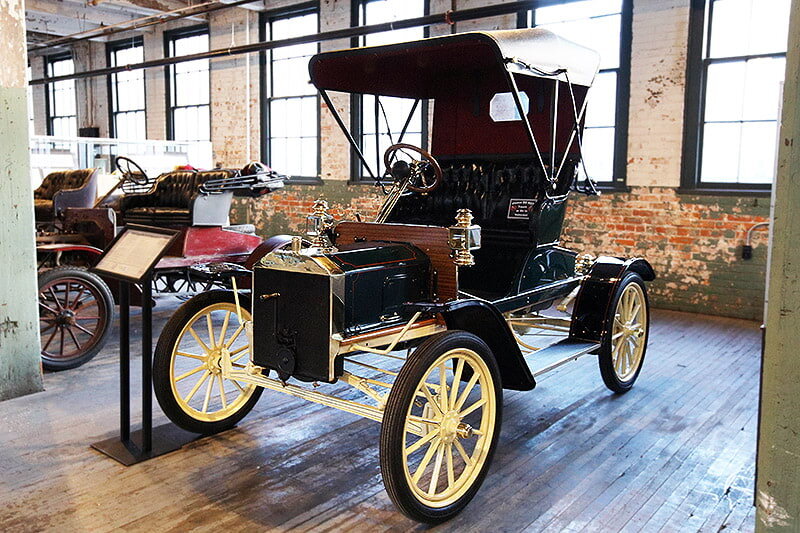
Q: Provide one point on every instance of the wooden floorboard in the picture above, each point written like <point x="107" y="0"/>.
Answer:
<point x="674" y="454"/>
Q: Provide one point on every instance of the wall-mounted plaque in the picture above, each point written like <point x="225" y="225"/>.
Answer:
<point x="134" y="252"/>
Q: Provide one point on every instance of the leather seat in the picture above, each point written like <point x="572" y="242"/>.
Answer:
<point x="170" y="201"/>
<point x="62" y="189"/>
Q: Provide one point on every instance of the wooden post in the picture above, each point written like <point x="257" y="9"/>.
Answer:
<point x="20" y="366"/>
<point x="778" y="480"/>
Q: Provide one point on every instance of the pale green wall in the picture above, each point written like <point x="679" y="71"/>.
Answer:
<point x="778" y="482"/>
<point x="20" y="367"/>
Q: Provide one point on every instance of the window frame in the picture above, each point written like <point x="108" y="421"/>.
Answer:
<point x="357" y="11"/>
<point x="695" y="105"/>
<point x="266" y="18"/>
<point x="169" y="74"/>
<point x="48" y="60"/>
<point x="111" y="47"/>
<point x="619" y="180"/>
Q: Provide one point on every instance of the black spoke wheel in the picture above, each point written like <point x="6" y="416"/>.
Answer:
<point x="440" y="426"/>
<point x="76" y="310"/>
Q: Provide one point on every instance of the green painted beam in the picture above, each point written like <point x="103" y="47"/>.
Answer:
<point x="778" y="479"/>
<point x="20" y="367"/>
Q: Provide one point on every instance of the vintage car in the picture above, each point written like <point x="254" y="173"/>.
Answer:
<point x="425" y="315"/>
<point x="76" y="306"/>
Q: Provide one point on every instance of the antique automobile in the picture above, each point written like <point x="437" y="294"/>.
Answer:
<point x="74" y="227"/>
<point x="420" y="319"/>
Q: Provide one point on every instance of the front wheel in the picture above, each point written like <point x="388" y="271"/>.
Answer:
<point x="623" y="349"/>
<point x="76" y="310"/>
<point x="441" y="426"/>
<point x="187" y="372"/>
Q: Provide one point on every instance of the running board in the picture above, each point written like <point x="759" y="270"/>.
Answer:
<point x="563" y="352"/>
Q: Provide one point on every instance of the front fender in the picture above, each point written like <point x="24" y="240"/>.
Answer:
<point x="591" y="316"/>
<point x="485" y="321"/>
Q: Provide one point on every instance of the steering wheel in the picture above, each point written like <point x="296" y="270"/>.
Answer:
<point x="423" y="175"/>
<point x="127" y="174"/>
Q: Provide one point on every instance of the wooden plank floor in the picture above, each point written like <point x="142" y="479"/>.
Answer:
<point x="674" y="454"/>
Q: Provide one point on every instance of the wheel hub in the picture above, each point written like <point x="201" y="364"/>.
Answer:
<point x="214" y="360"/>
<point x="451" y="428"/>
<point x="66" y="317"/>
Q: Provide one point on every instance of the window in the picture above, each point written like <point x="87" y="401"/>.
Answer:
<point x="188" y="86"/>
<point x="31" y="121"/>
<point x="373" y="114"/>
<point x="292" y="104"/>
<point x="127" y="90"/>
<point x="62" y="119"/>
<point x="605" y="26"/>
<point x="737" y="60"/>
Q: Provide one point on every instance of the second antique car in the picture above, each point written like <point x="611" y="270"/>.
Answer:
<point x="434" y="308"/>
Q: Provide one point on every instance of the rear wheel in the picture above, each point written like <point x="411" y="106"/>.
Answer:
<point x="76" y="310"/>
<point x="441" y="426"/>
<point x="187" y="376"/>
<point x="623" y="349"/>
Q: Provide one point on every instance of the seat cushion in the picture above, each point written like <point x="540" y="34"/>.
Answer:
<point x="158" y="216"/>
<point x="62" y="180"/>
<point x="43" y="209"/>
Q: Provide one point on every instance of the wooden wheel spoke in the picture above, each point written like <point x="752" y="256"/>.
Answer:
<point x="421" y="442"/>
<point x="83" y="329"/>
<point x="423" y="464"/>
<point x="196" y="386"/>
<point x="47" y="328"/>
<point x="445" y="402"/>
<point x="87" y="318"/>
<point x="190" y="373"/>
<point x="210" y="331"/>
<point x="239" y="350"/>
<point x="209" y="387"/>
<point x="437" y="468"/>
<point x="236" y="384"/>
<point x="47" y="345"/>
<point x="463" y="398"/>
<point x="451" y="477"/>
<point x="191" y="356"/>
<point x="224" y="328"/>
<point x="431" y="399"/>
<point x="56" y="300"/>
<point x="61" y="342"/>
<point x="222" y="397"/>
<point x="456" y="381"/>
<point x="463" y="453"/>
<point x="78" y="298"/>
<point x="473" y="407"/>
<point x="74" y="338"/>
<point x="234" y="336"/>
<point x="48" y="308"/>
<point x="198" y="339"/>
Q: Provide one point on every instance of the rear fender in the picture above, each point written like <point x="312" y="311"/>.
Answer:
<point x="591" y="316"/>
<point x="486" y="322"/>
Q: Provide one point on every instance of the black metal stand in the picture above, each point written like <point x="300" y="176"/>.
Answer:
<point x="134" y="447"/>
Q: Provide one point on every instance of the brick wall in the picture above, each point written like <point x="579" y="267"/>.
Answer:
<point x="693" y="241"/>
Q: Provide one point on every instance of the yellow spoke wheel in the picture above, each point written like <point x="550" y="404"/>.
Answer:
<point x="187" y="364"/>
<point x="441" y="426"/>
<point x="623" y="350"/>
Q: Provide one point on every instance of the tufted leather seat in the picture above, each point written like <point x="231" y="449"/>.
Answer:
<point x="171" y="200"/>
<point x="62" y="189"/>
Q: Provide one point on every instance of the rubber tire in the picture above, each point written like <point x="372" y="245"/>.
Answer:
<point x="163" y="355"/>
<point x="56" y="273"/>
<point x="394" y="417"/>
<point x="606" y="363"/>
